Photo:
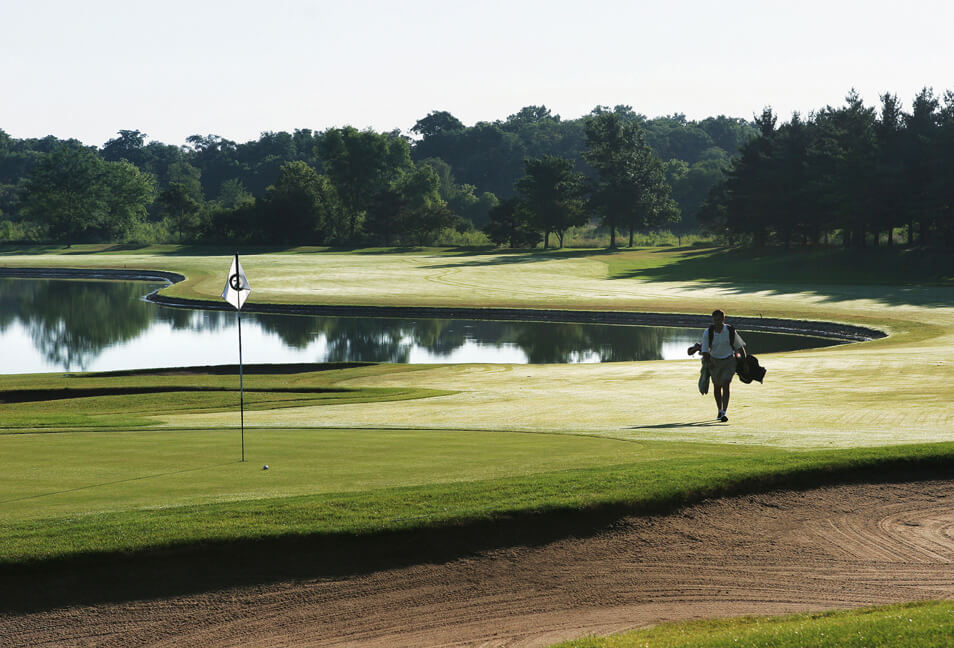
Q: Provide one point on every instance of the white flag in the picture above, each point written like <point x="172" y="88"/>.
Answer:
<point x="237" y="288"/>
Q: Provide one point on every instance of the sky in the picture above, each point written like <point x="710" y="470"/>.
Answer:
<point x="238" y="68"/>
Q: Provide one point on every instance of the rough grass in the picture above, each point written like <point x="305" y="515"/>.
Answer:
<point x="926" y="625"/>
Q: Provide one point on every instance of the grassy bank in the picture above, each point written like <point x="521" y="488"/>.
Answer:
<point x="926" y="625"/>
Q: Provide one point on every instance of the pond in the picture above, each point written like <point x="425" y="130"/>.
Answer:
<point x="91" y="325"/>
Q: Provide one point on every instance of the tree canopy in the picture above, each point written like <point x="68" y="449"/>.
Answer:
<point x="374" y="187"/>
<point x="72" y="191"/>
<point x="855" y="171"/>
<point x="630" y="189"/>
<point x="553" y="196"/>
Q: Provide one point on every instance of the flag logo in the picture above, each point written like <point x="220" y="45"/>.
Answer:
<point x="237" y="288"/>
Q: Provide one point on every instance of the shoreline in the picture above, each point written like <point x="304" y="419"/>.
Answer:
<point x="830" y="330"/>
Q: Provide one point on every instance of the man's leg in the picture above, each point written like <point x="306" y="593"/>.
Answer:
<point x="717" y="392"/>
<point x="723" y="392"/>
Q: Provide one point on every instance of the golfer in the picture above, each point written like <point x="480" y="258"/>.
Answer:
<point x="720" y="342"/>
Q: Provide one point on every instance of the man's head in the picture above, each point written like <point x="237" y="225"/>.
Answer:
<point x="718" y="317"/>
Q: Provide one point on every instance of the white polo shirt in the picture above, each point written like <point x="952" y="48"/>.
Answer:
<point x="720" y="342"/>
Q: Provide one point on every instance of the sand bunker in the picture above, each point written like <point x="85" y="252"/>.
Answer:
<point x="834" y="547"/>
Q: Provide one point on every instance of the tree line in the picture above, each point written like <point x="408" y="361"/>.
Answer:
<point x="854" y="175"/>
<point x="628" y="189"/>
<point x="520" y="180"/>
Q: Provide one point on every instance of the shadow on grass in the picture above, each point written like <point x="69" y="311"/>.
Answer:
<point x="152" y="249"/>
<point x="893" y="276"/>
<point x="194" y="568"/>
<point x="675" y="426"/>
<point x="220" y="250"/>
<point x="514" y="257"/>
<point x="41" y="395"/>
<point x="686" y="250"/>
<point x="117" y="247"/>
<point x="230" y="369"/>
<point x="26" y="250"/>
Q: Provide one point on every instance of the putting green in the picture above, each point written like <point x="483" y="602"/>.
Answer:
<point x="99" y="472"/>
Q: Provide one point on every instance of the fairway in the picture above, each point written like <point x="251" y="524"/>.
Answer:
<point x="899" y="389"/>
<point x="368" y="451"/>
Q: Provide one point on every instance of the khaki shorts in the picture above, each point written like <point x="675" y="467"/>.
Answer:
<point x="721" y="370"/>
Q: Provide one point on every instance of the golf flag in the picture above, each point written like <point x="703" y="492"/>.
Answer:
<point x="237" y="288"/>
<point x="236" y="292"/>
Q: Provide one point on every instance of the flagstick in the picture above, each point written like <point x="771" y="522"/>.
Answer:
<point x="238" y="314"/>
<point x="236" y="285"/>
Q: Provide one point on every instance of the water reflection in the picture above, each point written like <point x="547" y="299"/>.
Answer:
<point x="72" y="322"/>
<point x="55" y="324"/>
<point x="395" y="340"/>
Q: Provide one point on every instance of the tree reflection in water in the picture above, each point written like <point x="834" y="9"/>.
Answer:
<point x="72" y="322"/>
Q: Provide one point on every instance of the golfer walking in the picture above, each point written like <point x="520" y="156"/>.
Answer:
<point x="720" y="342"/>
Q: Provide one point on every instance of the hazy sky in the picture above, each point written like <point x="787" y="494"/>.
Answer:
<point x="235" y="68"/>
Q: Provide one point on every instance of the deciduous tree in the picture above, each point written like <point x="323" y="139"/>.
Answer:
<point x="553" y="194"/>
<point x="180" y="209"/>
<point x="510" y="224"/>
<point x="630" y="183"/>
<point x="437" y="122"/>
<point x="65" y="191"/>
<point x="127" y="192"/>
<point x="361" y="164"/>
<point x="301" y="207"/>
